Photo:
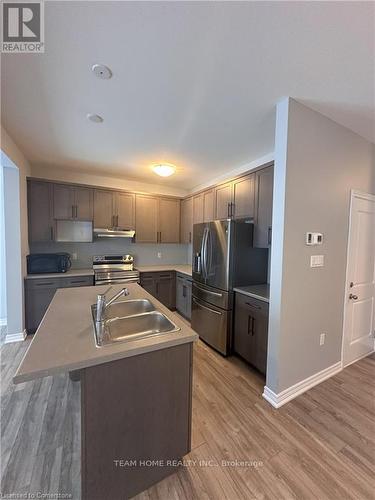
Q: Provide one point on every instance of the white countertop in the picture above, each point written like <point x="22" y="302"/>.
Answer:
<point x="260" y="292"/>
<point x="65" y="339"/>
<point x="180" y="268"/>
<point x="68" y="274"/>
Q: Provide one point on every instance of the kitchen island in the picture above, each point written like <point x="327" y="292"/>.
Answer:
<point x="135" y="395"/>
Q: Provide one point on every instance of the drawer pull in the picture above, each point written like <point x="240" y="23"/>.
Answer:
<point x="45" y="284"/>
<point x="208" y="291"/>
<point x="78" y="281"/>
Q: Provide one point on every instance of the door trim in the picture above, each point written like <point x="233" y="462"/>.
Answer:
<point x="364" y="196"/>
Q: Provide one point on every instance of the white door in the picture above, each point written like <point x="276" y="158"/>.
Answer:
<point x="359" y="322"/>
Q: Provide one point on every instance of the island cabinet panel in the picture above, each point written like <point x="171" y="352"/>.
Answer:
<point x="169" y="220"/>
<point x="162" y="285"/>
<point x="40" y="211"/>
<point x="134" y="410"/>
<point x="187" y="220"/>
<point x="146" y="219"/>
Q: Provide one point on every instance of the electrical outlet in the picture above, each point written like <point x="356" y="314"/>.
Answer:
<point x="74" y="256"/>
<point x="322" y="338"/>
<point x="159" y="255"/>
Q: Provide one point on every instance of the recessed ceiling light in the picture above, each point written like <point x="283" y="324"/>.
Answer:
<point x="94" y="118"/>
<point x="102" y="71"/>
<point x="164" y="169"/>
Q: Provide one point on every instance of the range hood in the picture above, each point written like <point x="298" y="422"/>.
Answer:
<point x="113" y="233"/>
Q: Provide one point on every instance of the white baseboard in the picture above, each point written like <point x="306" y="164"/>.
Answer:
<point x="3" y="321"/>
<point x="295" y="390"/>
<point x="15" y="337"/>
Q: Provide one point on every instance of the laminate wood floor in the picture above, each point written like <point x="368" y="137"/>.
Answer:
<point x="319" y="446"/>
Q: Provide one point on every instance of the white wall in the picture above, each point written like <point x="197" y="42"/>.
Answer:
<point x="3" y="303"/>
<point x="71" y="175"/>
<point x="317" y="163"/>
<point x="14" y="281"/>
<point x="13" y="153"/>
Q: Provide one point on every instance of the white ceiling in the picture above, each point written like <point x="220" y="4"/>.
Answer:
<point x="194" y="83"/>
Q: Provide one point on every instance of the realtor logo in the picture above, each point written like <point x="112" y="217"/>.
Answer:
<point x="23" y="27"/>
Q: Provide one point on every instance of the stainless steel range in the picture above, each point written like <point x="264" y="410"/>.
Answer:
<point x="114" y="269"/>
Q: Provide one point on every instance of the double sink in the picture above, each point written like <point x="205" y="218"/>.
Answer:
<point x="128" y="320"/>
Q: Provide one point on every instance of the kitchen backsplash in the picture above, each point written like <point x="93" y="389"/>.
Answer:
<point x="144" y="254"/>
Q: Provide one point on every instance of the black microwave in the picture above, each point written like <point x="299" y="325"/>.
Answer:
<point x="38" y="263"/>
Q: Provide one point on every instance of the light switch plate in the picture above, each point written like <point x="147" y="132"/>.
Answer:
<point x="317" y="261"/>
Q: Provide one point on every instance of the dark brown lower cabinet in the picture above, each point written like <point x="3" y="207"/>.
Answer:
<point x="136" y="421"/>
<point x="40" y="291"/>
<point x="251" y="330"/>
<point x="162" y="285"/>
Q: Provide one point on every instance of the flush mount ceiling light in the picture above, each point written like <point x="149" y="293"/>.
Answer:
<point x="102" y="71"/>
<point x="164" y="169"/>
<point x="94" y="118"/>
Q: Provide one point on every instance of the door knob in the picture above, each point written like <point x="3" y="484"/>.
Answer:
<point x="353" y="297"/>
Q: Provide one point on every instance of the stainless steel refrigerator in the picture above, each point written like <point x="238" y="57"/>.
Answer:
<point x="223" y="257"/>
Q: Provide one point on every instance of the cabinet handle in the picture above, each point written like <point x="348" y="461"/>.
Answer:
<point x="72" y="211"/>
<point x="51" y="233"/>
<point x="249" y="318"/>
<point x="116" y="220"/>
<point x="76" y="211"/>
<point x="253" y="327"/>
<point x="45" y="284"/>
<point x="77" y="281"/>
<point x="189" y="236"/>
<point x="184" y="291"/>
<point x="228" y="210"/>
<point x="231" y="210"/>
<point x="269" y="235"/>
<point x="160" y="237"/>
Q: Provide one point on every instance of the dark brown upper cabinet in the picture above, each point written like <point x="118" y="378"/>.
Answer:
<point x="114" y="209"/>
<point x="40" y="211"/>
<point x="72" y="202"/>
<point x="187" y="220"/>
<point x="223" y="200"/>
<point x="157" y="219"/>
<point x="243" y="197"/>
<point x="263" y="207"/>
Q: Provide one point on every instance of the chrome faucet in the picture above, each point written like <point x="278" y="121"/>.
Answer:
<point x="102" y="304"/>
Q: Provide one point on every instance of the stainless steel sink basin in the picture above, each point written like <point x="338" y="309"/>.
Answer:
<point x="130" y="320"/>
<point x="122" y="308"/>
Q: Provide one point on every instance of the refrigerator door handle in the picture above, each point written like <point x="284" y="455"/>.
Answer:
<point x="197" y="263"/>
<point x="204" y="252"/>
<point x="207" y="308"/>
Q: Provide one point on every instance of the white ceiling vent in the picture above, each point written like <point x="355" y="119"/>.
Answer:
<point x="102" y="71"/>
